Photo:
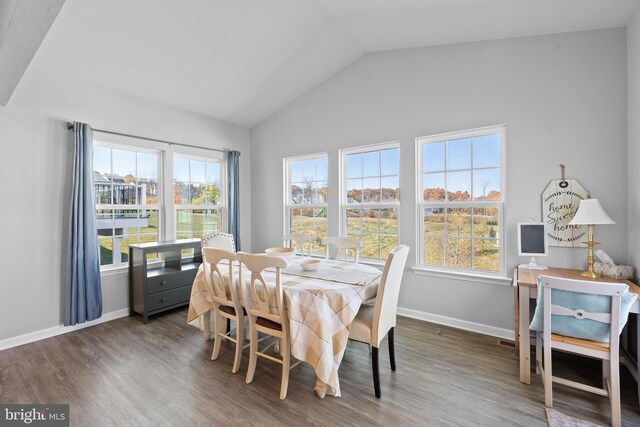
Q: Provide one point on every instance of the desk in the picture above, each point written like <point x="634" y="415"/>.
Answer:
<point x="526" y="280"/>
<point x="320" y="312"/>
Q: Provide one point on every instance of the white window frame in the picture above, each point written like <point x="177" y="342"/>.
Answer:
<point x="443" y="271"/>
<point x="289" y="204"/>
<point x="221" y="206"/>
<point x="344" y="206"/>
<point x="159" y="207"/>
<point x="166" y="207"/>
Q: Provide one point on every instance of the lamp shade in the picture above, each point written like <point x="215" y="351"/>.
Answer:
<point x="590" y="212"/>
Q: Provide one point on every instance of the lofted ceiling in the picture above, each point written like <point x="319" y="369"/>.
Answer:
<point x="241" y="61"/>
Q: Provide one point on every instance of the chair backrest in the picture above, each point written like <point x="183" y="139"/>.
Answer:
<point x="299" y="240"/>
<point x="220" y="287"/>
<point x="219" y="240"/>
<point x="384" y="317"/>
<point x="343" y="245"/>
<point x="258" y="298"/>
<point x="581" y="312"/>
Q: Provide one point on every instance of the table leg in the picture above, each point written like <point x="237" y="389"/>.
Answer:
<point x="525" y="339"/>
<point x="206" y="318"/>
<point x="637" y="355"/>
<point x="516" y="318"/>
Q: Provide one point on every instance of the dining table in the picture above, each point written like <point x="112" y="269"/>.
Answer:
<point x="320" y="307"/>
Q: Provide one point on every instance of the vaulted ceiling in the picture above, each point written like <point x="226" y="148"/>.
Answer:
<point x="242" y="60"/>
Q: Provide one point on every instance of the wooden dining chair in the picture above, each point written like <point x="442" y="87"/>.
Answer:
<point x="220" y="240"/>
<point x="299" y="240"/>
<point x="374" y="322"/>
<point x="343" y="246"/>
<point x="608" y="352"/>
<point x="266" y="313"/>
<point x="226" y="301"/>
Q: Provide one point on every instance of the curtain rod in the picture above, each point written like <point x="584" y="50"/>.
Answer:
<point x="70" y="126"/>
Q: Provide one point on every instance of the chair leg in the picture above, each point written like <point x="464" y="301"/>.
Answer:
<point x="548" y="381"/>
<point x="392" y="350"/>
<point x="606" y="373"/>
<point x="286" y="364"/>
<point x="239" y="344"/>
<point x="376" y="371"/>
<point x="614" y="397"/>
<point x="216" y="335"/>
<point x="538" y="351"/>
<point x="253" y="347"/>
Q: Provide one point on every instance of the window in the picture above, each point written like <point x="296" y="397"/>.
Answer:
<point x="460" y="199"/>
<point x="127" y="199"/>
<point x="197" y="196"/>
<point x="370" y="199"/>
<point x="306" y="196"/>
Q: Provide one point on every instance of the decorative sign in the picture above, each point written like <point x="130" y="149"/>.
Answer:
<point x="560" y="201"/>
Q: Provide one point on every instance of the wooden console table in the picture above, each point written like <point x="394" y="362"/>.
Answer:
<point x="525" y="281"/>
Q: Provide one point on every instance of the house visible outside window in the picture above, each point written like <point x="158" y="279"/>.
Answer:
<point x="306" y="195"/>
<point x="127" y="192"/>
<point x="460" y="200"/>
<point x="198" y="196"/>
<point x="370" y="199"/>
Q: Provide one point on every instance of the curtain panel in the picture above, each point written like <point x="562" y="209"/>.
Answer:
<point x="234" y="195"/>
<point x="83" y="291"/>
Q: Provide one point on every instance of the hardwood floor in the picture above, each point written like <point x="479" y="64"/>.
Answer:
<point x="126" y="373"/>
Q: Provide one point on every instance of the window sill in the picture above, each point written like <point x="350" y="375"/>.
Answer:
<point x="469" y="277"/>
<point x="114" y="270"/>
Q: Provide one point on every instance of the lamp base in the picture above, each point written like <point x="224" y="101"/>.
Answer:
<point x="591" y="274"/>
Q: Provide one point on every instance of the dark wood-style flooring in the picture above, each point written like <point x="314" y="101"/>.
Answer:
<point x="126" y="373"/>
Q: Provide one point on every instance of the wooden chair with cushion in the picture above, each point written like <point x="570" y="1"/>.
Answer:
<point x="373" y="322"/>
<point x="298" y="240"/>
<point x="220" y="240"/>
<point x="581" y="314"/>
<point x="226" y="301"/>
<point x="266" y="313"/>
<point x="343" y="245"/>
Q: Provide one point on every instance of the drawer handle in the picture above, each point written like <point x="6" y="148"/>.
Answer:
<point x="163" y="299"/>
<point x="164" y="282"/>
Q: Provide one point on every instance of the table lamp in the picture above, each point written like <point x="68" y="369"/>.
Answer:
<point x="590" y="213"/>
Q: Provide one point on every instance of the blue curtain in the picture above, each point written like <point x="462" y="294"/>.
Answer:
<point x="83" y="292"/>
<point x="234" y="196"/>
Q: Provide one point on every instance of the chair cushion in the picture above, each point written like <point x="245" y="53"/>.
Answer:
<point x="268" y="323"/>
<point x="580" y="328"/>
<point x="362" y="324"/>
<point x="230" y="310"/>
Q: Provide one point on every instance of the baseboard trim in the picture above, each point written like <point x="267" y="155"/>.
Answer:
<point x="59" y="330"/>
<point x="506" y="334"/>
<point x="479" y="328"/>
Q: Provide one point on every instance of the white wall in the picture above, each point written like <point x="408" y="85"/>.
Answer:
<point x="35" y="172"/>
<point x="633" y="114"/>
<point x="562" y="98"/>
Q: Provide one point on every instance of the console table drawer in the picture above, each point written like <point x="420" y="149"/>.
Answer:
<point x="164" y="282"/>
<point x="168" y="298"/>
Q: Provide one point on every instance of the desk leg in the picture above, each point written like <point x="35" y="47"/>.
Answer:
<point x="525" y="339"/>
<point x="516" y="318"/>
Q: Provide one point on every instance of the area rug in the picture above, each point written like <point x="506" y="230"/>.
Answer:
<point x="558" y="419"/>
